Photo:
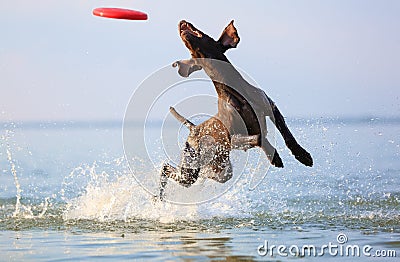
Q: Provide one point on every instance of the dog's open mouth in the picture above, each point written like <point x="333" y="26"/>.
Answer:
<point x="185" y="27"/>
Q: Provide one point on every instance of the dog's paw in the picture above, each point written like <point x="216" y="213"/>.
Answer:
<point x="277" y="161"/>
<point x="186" y="67"/>
<point x="303" y="156"/>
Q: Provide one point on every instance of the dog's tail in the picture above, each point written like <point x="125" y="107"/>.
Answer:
<point x="181" y="119"/>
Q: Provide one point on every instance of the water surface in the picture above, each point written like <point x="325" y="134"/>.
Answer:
<point x="67" y="193"/>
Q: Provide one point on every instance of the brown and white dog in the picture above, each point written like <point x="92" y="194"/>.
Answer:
<point x="207" y="150"/>
<point x="241" y="118"/>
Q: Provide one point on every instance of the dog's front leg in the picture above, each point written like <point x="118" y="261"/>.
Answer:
<point x="269" y="150"/>
<point x="300" y="153"/>
<point x="186" y="67"/>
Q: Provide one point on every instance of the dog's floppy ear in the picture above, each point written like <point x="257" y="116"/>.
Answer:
<point x="186" y="67"/>
<point x="229" y="37"/>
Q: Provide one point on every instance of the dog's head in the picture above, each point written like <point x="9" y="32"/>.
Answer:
<point x="201" y="45"/>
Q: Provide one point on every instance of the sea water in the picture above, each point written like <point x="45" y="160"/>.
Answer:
<point x="68" y="193"/>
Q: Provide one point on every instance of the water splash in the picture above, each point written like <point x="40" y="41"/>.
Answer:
<point x="20" y="210"/>
<point x="6" y="139"/>
<point x="117" y="196"/>
<point x="16" y="182"/>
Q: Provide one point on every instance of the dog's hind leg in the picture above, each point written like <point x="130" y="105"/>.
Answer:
<point x="243" y="142"/>
<point x="300" y="153"/>
<point x="184" y="176"/>
<point x="166" y="171"/>
<point x="223" y="176"/>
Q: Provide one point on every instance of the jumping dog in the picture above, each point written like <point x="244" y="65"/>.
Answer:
<point x="241" y="116"/>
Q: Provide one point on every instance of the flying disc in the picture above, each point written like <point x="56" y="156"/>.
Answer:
<point x="119" y="13"/>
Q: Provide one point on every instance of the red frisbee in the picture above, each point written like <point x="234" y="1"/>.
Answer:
<point x="120" y="13"/>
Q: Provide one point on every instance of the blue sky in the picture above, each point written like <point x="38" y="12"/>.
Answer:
<point x="314" y="58"/>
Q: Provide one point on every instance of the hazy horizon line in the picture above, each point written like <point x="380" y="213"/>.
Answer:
<point x="115" y="123"/>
